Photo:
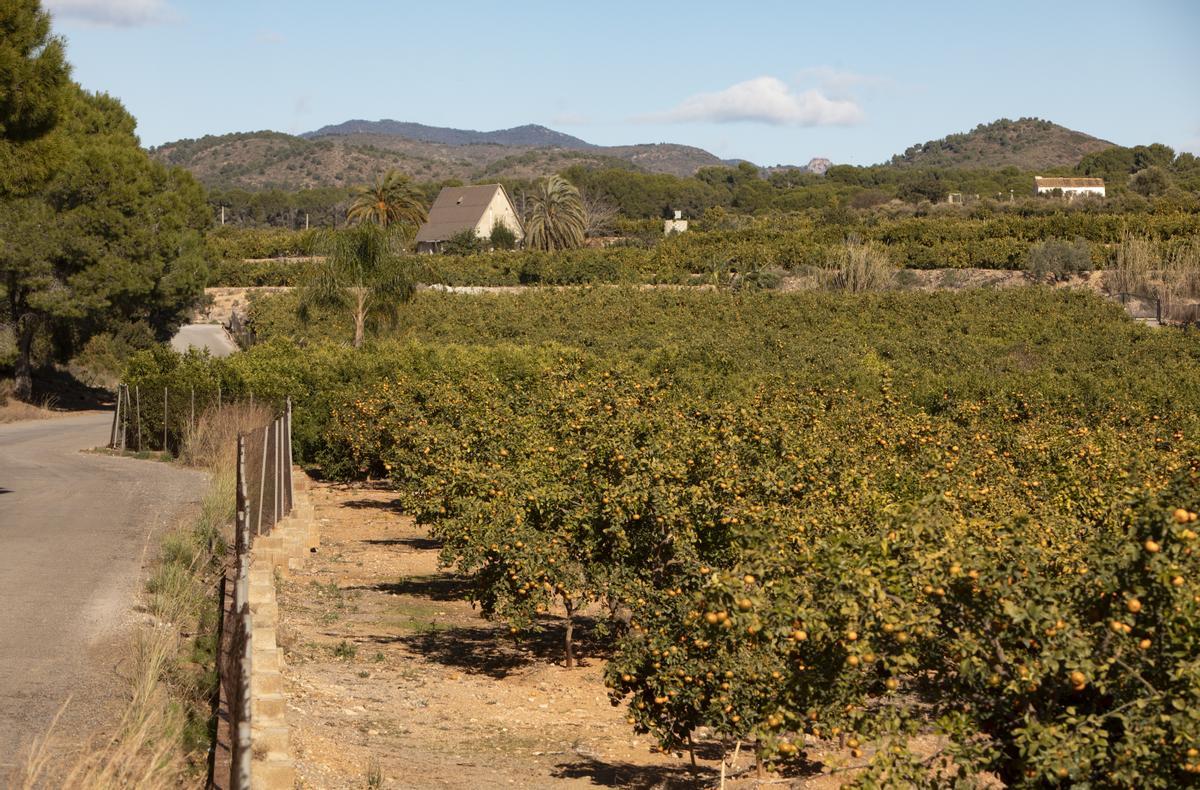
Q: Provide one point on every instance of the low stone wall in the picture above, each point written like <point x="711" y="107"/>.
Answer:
<point x="272" y="556"/>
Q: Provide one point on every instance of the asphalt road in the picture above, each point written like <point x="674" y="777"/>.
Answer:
<point x="210" y="336"/>
<point x="75" y="529"/>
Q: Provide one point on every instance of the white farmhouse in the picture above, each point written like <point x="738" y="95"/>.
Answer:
<point x="476" y="208"/>
<point x="676" y="225"/>
<point x="1069" y="188"/>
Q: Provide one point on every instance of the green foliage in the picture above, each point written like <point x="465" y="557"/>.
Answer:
<point x="556" y="218"/>
<point x="465" y="242"/>
<point x="112" y="238"/>
<point x="360" y="273"/>
<point x="1059" y="259"/>
<point x="232" y="245"/>
<point x="1150" y="182"/>
<point x="502" y="237"/>
<point x="34" y="95"/>
<point x="393" y="199"/>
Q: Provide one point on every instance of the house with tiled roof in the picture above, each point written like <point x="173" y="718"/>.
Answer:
<point x="1068" y="187"/>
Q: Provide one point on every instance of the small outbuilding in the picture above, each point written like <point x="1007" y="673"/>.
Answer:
<point x="477" y="208"/>
<point x="1069" y="188"/>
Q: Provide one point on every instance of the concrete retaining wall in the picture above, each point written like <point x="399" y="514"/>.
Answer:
<point x="285" y="549"/>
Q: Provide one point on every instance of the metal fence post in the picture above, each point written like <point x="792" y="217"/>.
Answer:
<point x="112" y="435"/>
<point x="125" y="419"/>
<point x="192" y="413"/>
<point x="290" y="493"/>
<point x="137" y="394"/>
<point x="242" y="512"/>
<point x="164" y="419"/>
<point x="277" y="489"/>
<point x="262" y="477"/>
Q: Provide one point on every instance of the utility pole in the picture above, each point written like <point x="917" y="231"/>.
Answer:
<point x="306" y="220"/>
<point x="222" y="216"/>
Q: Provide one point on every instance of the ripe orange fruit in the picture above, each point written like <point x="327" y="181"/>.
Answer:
<point x="1151" y="546"/>
<point x="1181" y="515"/>
<point x="1133" y="605"/>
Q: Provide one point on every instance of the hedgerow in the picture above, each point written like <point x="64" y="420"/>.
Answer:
<point x="721" y="248"/>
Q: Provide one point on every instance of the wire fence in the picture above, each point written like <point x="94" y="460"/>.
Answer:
<point x="162" y="418"/>
<point x="264" y="496"/>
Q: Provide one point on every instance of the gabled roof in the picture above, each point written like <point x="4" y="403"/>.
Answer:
<point x="457" y="209"/>
<point x="1067" y="183"/>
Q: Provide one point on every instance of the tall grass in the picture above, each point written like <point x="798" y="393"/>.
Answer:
<point x="1180" y="282"/>
<point x="163" y="736"/>
<point x="1136" y="258"/>
<point x="857" y="267"/>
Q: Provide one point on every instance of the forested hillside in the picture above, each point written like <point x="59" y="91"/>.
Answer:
<point x="1027" y="143"/>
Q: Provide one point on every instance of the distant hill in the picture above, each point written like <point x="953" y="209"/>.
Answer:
<point x="528" y="136"/>
<point x="1027" y="143"/>
<point x="356" y="152"/>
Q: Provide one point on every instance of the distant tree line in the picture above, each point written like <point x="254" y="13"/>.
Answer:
<point x="1152" y="171"/>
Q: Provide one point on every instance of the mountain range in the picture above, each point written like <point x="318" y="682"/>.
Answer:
<point x="357" y="151"/>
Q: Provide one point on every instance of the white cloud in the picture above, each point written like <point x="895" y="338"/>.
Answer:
<point x="111" y="13"/>
<point x="763" y="100"/>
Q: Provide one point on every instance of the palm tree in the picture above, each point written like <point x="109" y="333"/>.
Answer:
<point x="556" y="216"/>
<point x="391" y="199"/>
<point x="362" y="274"/>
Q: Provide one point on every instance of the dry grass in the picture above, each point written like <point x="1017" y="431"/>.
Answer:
<point x="1180" y="282"/>
<point x="858" y="267"/>
<point x="140" y="750"/>
<point x="1136" y="257"/>
<point x="13" y="410"/>
<point x="213" y="444"/>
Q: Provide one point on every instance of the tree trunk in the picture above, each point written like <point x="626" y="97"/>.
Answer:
<point x="570" y="635"/>
<point x="360" y="315"/>
<point x="23" y="369"/>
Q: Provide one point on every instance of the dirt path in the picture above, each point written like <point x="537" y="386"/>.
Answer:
<point x="391" y="675"/>
<point x="74" y="531"/>
<point x="388" y="667"/>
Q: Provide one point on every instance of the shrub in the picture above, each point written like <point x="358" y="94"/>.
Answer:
<point x="1059" y="259"/>
<point x="502" y="236"/>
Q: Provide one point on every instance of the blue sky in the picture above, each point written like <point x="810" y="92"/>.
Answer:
<point x="773" y="82"/>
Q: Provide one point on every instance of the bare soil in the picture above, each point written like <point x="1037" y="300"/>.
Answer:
<point x="391" y="674"/>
